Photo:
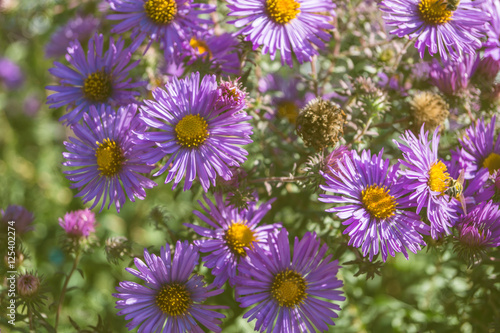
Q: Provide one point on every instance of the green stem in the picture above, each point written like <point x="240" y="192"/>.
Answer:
<point x="278" y="179"/>
<point x="400" y="55"/>
<point x="65" y="286"/>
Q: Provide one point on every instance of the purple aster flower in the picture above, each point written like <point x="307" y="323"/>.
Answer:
<point x="10" y="74"/>
<point x="233" y="232"/>
<point x="478" y="231"/>
<point x="333" y="160"/>
<point x="437" y="27"/>
<point x="219" y="52"/>
<point x="100" y="79"/>
<point x="78" y="28"/>
<point x="453" y="76"/>
<point x="172" y="298"/>
<point x="373" y="205"/>
<point x="427" y="178"/>
<point x="288" y="100"/>
<point x="492" y="45"/>
<point x="290" y="295"/>
<point x="21" y="216"/>
<point x="232" y="94"/>
<point x="293" y="27"/>
<point x="104" y="157"/>
<point x="170" y="22"/>
<point x="79" y="223"/>
<point x="203" y="138"/>
<point x="480" y="149"/>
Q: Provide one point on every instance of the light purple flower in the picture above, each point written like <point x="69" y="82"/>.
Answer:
<point x="443" y="31"/>
<point x="79" y="223"/>
<point x="427" y="179"/>
<point x="290" y="293"/>
<point x="169" y="22"/>
<point x="373" y="205"/>
<point x="202" y="138"/>
<point x="96" y="80"/>
<point x="172" y="295"/>
<point x="11" y="74"/>
<point x="232" y="95"/>
<point x="233" y="233"/>
<point x="492" y="45"/>
<point x="104" y="157"/>
<point x="294" y="27"/>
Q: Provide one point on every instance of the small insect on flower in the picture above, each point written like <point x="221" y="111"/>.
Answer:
<point x="452" y="4"/>
<point x="455" y="189"/>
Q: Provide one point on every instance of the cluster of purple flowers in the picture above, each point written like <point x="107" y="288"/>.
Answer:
<point x="285" y="292"/>
<point x="201" y="125"/>
<point x="388" y="208"/>
<point x="195" y="129"/>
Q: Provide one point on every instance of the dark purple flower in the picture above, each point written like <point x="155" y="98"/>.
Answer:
<point x="79" y="223"/>
<point x="233" y="233"/>
<point x="79" y="28"/>
<point x="374" y="203"/>
<point x="96" y="80"/>
<point x="428" y="179"/>
<point x="105" y="157"/>
<point x="202" y="138"/>
<point x="436" y="27"/>
<point x="294" y="27"/>
<point x="169" y="22"/>
<point x="10" y="74"/>
<point x="21" y="216"/>
<point x="290" y="294"/>
<point x="172" y="298"/>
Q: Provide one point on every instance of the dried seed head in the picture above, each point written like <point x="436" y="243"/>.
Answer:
<point x="320" y="124"/>
<point x="428" y="108"/>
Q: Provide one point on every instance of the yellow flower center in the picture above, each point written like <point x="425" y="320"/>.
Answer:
<point x="200" y="46"/>
<point x="239" y="236"/>
<point x="438" y="177"/>
<point x="288" y="110"/>
<point x="492" y="162"/>
<point x="191" y="131"/>
<point x="434" y="11"/>
<point x="282" y="11"/>
<point x="289" y="288"/>
<point x="161" y="11"/>
<point x="173" y="299"/>
<point x="109" y="158"/>
<point x="378" y="201"/>
<point x="97" y="87"/>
